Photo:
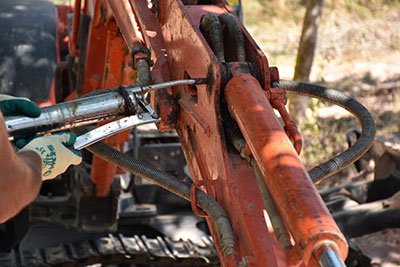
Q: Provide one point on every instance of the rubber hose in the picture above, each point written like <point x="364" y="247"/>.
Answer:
<point x="143" y="73"/>
<point x="235" y="32"/>
<point x="360" y="147"/>
<point x="139" y="168"/>
<point x="211" y="27"/>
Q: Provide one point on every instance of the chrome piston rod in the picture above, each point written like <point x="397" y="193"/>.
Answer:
<point x="83" y="111"/>
<point x="328" y="256"/>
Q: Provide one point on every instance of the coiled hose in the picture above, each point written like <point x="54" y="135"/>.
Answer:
<point x="139" y="168"/>
<point x="360" y="147"/>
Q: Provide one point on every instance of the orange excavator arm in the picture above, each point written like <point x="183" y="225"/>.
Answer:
<point x="260" y="202"/>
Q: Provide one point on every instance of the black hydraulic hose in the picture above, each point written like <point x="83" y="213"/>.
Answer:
<point x="235" y="32"/>
<point x="360" y="147"/>
<point x="211" y="27"/>
<point x="143" y="73"/>
<point x="139" y="168"/>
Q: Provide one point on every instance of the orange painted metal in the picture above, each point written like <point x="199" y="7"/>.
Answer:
<point x="153" y="36"/>
<point x="123" y="14"/>
<point x="226" y="176"/>
<point x="178" y="51"/>
<point x="138" y="25"/>
<point x="96" y="52"/>
<point x="107" y="66"/>
<point x="278" y="100"/>
<point x="74" y="51"/>
<point x="117" y="72"/>
<point x="193" y="198"/>
<point x="102" y="173"/>
<point x="302" y="209"/>
<point x="62" y="29"/>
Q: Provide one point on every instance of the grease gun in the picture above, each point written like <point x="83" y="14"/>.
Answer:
<point x="127" y="101"/>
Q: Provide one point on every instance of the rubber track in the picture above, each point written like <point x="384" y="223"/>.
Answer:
<point x="117" y="249"/>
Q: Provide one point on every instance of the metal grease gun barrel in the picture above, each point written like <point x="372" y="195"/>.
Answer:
<point x="68" y="115"/>
<point x="83" y="111"/>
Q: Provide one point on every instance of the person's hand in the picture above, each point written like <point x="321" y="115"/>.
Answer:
<point x="18" y="106"/>
<point x="54" y="152"/>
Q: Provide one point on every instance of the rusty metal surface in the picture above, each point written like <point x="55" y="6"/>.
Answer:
<point x="179" y="51"/>
<point x="227" y="177"/>
<point x="162" y="100"/>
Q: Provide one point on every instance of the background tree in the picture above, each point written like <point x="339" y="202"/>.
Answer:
<point x="305" y="56"/>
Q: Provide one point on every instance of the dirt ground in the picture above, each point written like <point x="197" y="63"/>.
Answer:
<point x="359" y="56"/>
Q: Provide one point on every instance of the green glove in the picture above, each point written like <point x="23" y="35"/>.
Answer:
<point x="18" y="106"/>
<point x="55" y="154"/>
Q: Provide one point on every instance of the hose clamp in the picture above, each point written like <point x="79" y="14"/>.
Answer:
<point x="139" y="52"/>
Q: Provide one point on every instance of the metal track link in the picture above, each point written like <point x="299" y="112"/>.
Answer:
<point x="117" y="249"/>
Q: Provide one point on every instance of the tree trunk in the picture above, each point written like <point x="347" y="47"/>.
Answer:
<point x="305" y="56"/>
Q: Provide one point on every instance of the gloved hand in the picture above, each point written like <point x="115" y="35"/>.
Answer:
<point x="18" y="106"/>
<point x="56" y="157"/>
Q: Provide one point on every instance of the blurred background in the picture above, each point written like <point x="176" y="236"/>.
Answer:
<point x="357" y="51"/>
